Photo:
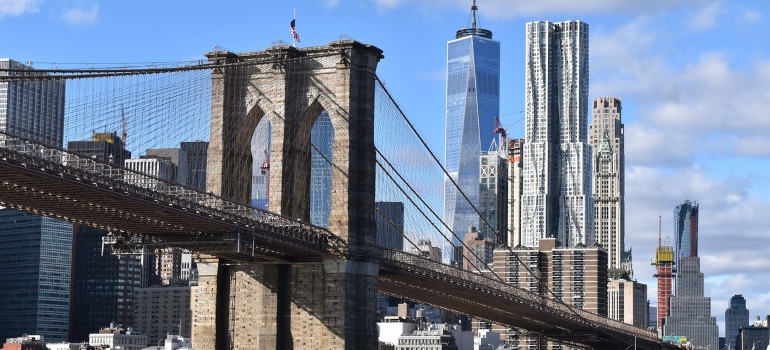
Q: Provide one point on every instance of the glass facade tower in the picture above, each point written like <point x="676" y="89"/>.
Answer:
<point x="35" y="270"/>
<point x="686" y="229"/>
<point x="36" y="266"/>
<point x="736" y="316"/>
<point x="32" y="109"/>
<point x="322" y="138"/>
<point x="556" y="197"/>
<point x="472" y="102"/>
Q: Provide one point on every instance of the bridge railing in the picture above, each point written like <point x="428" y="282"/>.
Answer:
<point x="64" y="163"/>
<point x="420" y="265"/>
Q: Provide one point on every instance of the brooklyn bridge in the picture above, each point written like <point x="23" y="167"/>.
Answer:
<point x="268" y="278"/>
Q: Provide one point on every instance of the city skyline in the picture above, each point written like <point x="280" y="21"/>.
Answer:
<point x="685" y="56"/>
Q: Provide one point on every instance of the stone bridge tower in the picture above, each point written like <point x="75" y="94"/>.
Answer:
<point x="316" y="305"/>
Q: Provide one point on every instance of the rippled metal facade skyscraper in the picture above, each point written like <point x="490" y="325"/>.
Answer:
<point x="556" y="199"/>
<point x="472" y="102"/>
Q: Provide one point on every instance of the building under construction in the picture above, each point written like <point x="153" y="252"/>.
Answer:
<point x="664" y="272"/>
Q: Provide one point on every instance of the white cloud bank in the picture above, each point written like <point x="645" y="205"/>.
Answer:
<point x="81" y="16"/>
<point x="17" y="7"/>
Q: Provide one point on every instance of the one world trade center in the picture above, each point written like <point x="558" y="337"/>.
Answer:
<point x="472" y="102"/>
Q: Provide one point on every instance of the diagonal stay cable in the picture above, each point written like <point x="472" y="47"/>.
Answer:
<point x="425" y="204"/>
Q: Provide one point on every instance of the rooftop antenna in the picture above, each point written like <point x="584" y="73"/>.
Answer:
<point x="474" y="8"/>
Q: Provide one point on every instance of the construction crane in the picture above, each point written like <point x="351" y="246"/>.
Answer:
<point x="124" y="132"/>
<point x="503" y="133"/>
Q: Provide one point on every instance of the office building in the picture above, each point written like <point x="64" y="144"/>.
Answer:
<point x="607" y="141"/>
<point x="514" y="192"/>
<point x="627" y="302"/>
<point x="32" y="109"/>
<point x="176" y="156"/>
<point x="493" y="193"/>
<point x="426" y="249"/>
<point x="752" y="338"/>
<point x="102" y="284"/>
<point x="163" y="310"/>
<point x="472" y="102"/>
<point x="389" y="220"/>
<point x="36" y="272"/>
<point x="576" y="275"/>
<point x="689" y="311"/>
<point x="322" y="138"/>
<point x="686" y="229"/>
<point x="150" y="172"/>
<point x="107" y="147"/>
<point x="557" y="200"/>
<point x="736" y="316"/>
<point x="260" y="167"/>
<point x="477" y="251"/>
<point x="197" y="159"/>
<point x="37" y="265"/>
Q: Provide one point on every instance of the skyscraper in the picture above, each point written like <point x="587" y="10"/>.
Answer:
<point x="36" y="269"/>
<point x="36" y="266"/>
<point x="493" y="193"/>
<point x="322" y="138"/>
<point x="736" y="316"/>
<point x="102" y="284"/>
<point x="32" y="109"/>
<point x="197" y="157"/>
<point x="607" y="142"/>
<point x="556" y="198"/>
<point x="260" y="170"/>
<point x="389" y="220"/>
<point x="472" y="102"/>
<point x="686" y="229"/>
<point x="689" y="312"/>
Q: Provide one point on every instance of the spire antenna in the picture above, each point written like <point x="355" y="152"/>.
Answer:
<point x="474" y="8"/>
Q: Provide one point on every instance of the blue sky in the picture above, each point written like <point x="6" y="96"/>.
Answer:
<point x="694" y="76"/>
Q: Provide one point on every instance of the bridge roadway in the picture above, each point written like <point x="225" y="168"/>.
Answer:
<point x="151" y="213"/>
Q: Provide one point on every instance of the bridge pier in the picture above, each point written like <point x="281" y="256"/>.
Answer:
<point x="326" y="304"/>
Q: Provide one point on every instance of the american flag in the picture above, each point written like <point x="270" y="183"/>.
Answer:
<point x="294" y="32"/>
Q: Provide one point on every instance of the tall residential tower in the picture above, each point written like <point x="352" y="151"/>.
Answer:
<point x="472" y="102"/>
<point x="556" y="198"/>
<point x="686" y="229"/>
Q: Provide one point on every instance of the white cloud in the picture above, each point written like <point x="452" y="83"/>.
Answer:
<point x="331" y="3"/>
<point x="80" y="16"/>
<point x="705" y="18"/>
<point x="752" y="16"/>
<point x="17" y="7"/>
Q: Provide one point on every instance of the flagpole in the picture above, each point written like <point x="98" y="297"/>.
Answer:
<point x="293" y="42"/>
